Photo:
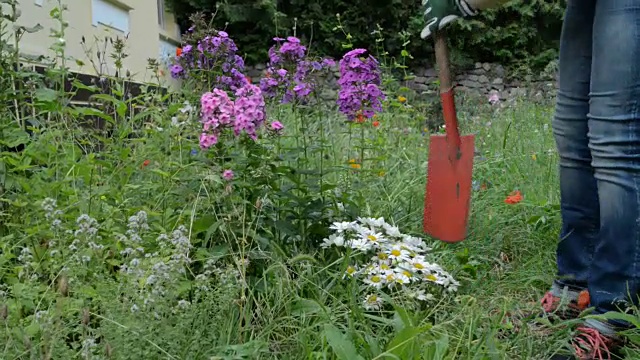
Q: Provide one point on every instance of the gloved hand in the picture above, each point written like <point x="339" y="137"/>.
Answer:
<point x="439" y="13"/>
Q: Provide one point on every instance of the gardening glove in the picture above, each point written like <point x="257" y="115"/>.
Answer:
<point x="439" y="13"/>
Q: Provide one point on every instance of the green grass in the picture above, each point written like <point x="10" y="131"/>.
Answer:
<point x="298" y="307"/>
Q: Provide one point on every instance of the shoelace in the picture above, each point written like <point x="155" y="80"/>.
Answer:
<point x="590" y="344"/>
<point x="549" y="302"/>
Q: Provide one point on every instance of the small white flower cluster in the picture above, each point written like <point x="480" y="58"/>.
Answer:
<point x="51" y="212"/>
<point x="153" y="274"/>
<point x="391" y="260"/>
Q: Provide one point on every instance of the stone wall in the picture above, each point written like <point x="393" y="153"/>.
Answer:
<point x="482" y="79"/>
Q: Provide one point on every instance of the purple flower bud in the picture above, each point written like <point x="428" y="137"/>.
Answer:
<point x="227" y="175"/>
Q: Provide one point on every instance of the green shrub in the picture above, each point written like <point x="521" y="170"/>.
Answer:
<point x="517" y="33"/>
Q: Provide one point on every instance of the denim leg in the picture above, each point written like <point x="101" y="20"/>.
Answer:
<point x="614" y="140"/>
<point x="579" y="204"/>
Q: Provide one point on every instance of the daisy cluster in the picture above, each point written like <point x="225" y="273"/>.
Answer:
<point x="391" y="260"/>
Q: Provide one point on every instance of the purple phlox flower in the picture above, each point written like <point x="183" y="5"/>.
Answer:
<point x="228" y="175"/>
<point x="176" y="71"/>
<point x="244" y="114"/>
<point x="290" y="75"/>
<point x="249" y="110"/>
<point x="277" y="126"/>
<point x="359" y="85"/>
<point x="215" y="56"/>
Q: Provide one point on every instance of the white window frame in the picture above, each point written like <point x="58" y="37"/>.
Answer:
<point x="110" y="14"/>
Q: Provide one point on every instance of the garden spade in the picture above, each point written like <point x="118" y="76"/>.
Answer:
<point x="450" y="164"/>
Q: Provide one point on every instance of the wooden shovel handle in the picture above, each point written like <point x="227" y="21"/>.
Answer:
<point x="447" y="96"/>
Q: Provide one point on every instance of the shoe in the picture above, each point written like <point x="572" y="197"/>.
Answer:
<point x="554" y="305"/>
<point x="440" y="13"/>
<point x="566" y="307"/>
<point x="590" y="344"/>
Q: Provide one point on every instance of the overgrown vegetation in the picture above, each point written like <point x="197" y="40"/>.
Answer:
<point x="522" y="33"/>
<point x="225" y="220"/>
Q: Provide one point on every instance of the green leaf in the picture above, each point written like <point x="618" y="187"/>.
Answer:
<point x="14" y="137"/>
<point x="306" y="307"/>
<point x="342" y="347"/>
<point x="45" y="95"/>
<point x="612" y="315"/>
<point x="404" y="344"/>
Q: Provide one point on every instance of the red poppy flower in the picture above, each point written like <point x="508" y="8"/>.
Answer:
<point x="376" y="123"/>
<point x="513" y="198"/>
<point x="178" y="51"/>
<point x="146" y="163"/>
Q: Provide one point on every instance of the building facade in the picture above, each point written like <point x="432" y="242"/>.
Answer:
<point x="150" y="31"/>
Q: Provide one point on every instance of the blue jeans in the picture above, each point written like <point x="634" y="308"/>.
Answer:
<point x="597" y="132"/>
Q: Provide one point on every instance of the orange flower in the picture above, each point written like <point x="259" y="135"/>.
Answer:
<point x="146" y="163"/>
<point x="376" y="123"/>
<point x="178" y="51"/>
<point x="360" y="118"/>
<point x="513" y="198"/>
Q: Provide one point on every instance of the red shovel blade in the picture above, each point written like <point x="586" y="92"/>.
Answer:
<point x="449" y="176"/>
<point x="448" y="193"/>
<point x="450" y="169"/>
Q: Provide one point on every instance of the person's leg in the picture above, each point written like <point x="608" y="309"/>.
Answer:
<point x="579" y="204"/>
<point x="614" y="132"/>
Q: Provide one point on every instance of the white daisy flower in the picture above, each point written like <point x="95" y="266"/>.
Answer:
<point x="415" y="242"/>
<point x="334" y="239"/>
<point x="375" y="281"/>
<point x="361" y="244"/>
<point x="392" y="230"/>
<point x="421" y="295"/>
<point x="340" y="226"/>
<point x="397" y="253"/>
<point x="372" y="302"/>
<point x="351" y="271"/>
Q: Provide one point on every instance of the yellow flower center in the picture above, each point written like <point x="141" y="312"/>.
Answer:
<point x="418" y="266"/>
<point x="351" y="270"/>
<point x="372" y="299"/>
<point x="390" y="277"/>
<point x="395" y="252"/>
<point x="384" y="267"/>
<point x="376" y="279"/>
<point x="431" y="277"/>
<point x="372" y="238"/>
<point x="383" y="256"/>
<point x="406" y="273"/>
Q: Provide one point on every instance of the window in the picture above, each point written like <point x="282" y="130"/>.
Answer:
<point x="167" y="51"/>
<point x="161" y="13"/>
<point x="110" y="14"/>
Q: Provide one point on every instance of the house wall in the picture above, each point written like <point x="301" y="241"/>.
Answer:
<point x="148" y="36"/>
